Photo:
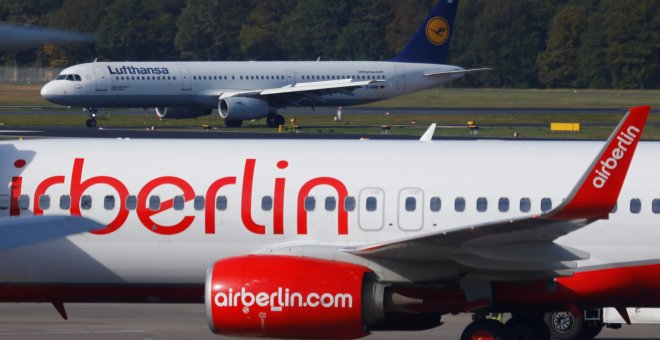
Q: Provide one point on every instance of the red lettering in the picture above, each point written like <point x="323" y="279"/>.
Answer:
<point x="145" y="214"/>
<point x="16" y="183"/>
<point x="209" y="209"/>
<point x="41" y="190"/>
<point x="246" y="199"/>
<point x="342" y="192"/>
<point x="78" y="188"/>
<point x="278" y="209"/>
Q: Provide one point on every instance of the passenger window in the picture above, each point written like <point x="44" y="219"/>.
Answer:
<point x="482" y="204"/>
<point x="655" y="206"/>
<point x="44" y="202"/>
<point x="4" y="201"/>
<point x="154" y="203"/>
<point x="635" y="205"/>
<point x="436" y="204"/>
<point x="86" y="202"/>
<point x="330" y="203"/>
<point x="546" y="204"/>
<point x="525" y="204"/>
<point x="65" y="202"/>
<point x="24" y="202"/>
<point x="178" y="202"/>
<point x="411" y="204"/>
<point x="349" y="203"/>
<point x="310" y="203"/>
<point x="372" y="203"/>
<point x="266" y="203"/>
<point x="221" y="203"/>
<point x="131" y="202"/>
<point x="503" y="204"/>
<point x="459" y="204"/>
<point x="109" y="202"/>
<point x="198" y="203"/>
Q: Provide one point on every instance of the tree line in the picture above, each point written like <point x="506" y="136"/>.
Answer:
<point x="528" y="43"/>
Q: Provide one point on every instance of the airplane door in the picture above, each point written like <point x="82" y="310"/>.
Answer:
<point x="401" y="78"/>
<point x="185" y="79"/>
<point x="411" y="209"/>
<point x="99" y="72"/>
<point x="371" y="209"/>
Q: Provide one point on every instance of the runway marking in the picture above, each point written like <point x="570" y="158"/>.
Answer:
<point x="128" y="331"/>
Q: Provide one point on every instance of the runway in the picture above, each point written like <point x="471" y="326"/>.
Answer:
<point x="187" y="321"/>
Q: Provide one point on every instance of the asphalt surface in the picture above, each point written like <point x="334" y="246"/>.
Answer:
<point x="187" y="321"/>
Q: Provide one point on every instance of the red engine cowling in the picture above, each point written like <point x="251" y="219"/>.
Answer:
<point x="286" y="297"/>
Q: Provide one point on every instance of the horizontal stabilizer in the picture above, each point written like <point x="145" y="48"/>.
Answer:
<point x="25" y="230"/>
<point x="456" y="72"/>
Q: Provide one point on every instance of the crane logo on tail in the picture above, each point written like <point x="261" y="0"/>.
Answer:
<point x="437" y="30"/>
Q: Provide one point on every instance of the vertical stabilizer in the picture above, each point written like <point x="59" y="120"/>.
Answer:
<point x="430" y="44"/>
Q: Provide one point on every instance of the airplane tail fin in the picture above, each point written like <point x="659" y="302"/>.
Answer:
<point x="430" y="44"/>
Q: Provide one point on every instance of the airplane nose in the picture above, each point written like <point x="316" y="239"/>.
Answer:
<point x="47" y="91"/>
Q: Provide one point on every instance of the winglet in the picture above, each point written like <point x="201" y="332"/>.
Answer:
<point x="428" y="135"/>
<point x="598" y="190"/>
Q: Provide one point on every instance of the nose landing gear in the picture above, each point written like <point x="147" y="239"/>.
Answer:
<point x="91" y="118"/>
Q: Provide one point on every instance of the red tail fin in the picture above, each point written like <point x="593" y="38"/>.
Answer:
<point x="597" y="192"/>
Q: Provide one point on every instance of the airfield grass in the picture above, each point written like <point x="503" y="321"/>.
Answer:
<point x="594" y="125"/>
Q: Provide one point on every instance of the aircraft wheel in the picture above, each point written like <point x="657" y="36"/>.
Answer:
<point x="91" y="123"/>
<point x="564" y="325"/>
<point x="527" y="329"/>
<point x="485" y="330"/>
<point x="231" y="123"/>
<point x="274" y="120"/>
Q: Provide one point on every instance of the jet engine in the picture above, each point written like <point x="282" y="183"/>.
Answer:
<point x="296" y="297"/>
<point x="242" y="108"/>
<point x="182" y="112"/>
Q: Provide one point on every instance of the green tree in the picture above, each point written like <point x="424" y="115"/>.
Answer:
<point x="262" y="36"/>
<point x="406" y="16"/>
<point x="558" y="64"/>
<point x="209" y="30"/>
<point x="364" y="36"/>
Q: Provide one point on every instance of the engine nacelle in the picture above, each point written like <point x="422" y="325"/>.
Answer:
<point x="289" y="297"/>
<point x="182" y="112"/>
<point x="242" y="108"/>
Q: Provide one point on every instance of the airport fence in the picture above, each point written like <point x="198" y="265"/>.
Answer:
<point x="23" y="74"/>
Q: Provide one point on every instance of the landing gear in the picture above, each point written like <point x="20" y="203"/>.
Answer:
<point x="232" y="123"/>
<point x="485" y="329"/>
<point x="274" y="120"/>
<point x="564" y="325"/>
<point x="91" y="118"/>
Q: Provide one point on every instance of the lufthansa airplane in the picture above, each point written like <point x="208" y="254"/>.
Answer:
<point x="251" y="90"/>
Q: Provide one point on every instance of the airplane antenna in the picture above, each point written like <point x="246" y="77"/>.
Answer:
<point x="428" y="135"/>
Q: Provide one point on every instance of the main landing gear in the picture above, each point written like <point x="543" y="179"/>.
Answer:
<point x="274" y="120"/>
<point x="564" y="325"/>
<point x="519" y="327"/>
<point x="91" y="118"/>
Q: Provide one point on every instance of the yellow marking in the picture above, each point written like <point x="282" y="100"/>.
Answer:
<point x="437" y="31"/>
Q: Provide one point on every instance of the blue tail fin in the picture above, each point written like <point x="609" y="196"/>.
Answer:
<point x="430" y="44"/>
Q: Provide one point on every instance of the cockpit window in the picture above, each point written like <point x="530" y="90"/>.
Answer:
<point x="69" y="77"/>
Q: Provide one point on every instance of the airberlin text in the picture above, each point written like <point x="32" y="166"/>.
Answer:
<point x="78" y="186"/>
<point x="610" y="164"/>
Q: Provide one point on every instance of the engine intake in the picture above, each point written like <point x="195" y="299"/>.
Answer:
<point x="242" y="108"/>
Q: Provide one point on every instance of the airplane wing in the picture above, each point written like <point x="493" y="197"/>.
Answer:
<point x="453" y="73"/>
<point x="294" y="94"/>
<point x="526" y="244"/>
<point x="25" y="230"/>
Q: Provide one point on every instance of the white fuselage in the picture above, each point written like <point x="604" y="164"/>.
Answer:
<point x="396" y="186"/>
<point x="200" y="84"/>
